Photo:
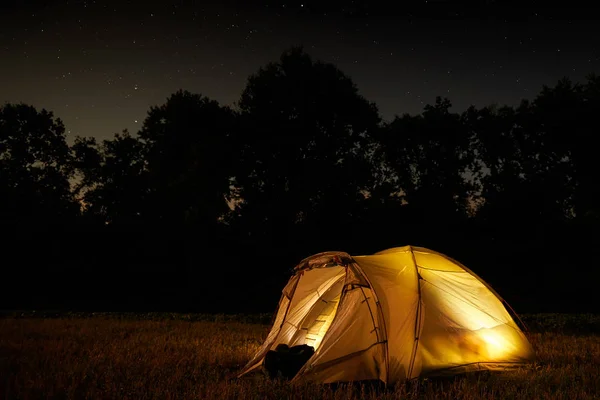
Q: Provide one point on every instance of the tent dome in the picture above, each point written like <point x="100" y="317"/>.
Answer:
<point x="399" y="314"/>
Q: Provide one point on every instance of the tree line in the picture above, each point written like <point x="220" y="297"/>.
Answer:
<point x="208" y="207"/>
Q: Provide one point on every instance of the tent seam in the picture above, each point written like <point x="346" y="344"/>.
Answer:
<point x="375" y="327"/>
<point x="418" y="317"/>
<point x="382" y="316"/>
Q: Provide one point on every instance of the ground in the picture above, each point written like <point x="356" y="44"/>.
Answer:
<point x="172" y="356"/>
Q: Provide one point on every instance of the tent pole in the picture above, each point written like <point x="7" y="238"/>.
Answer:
<point x="358" y="269"/>
<point x="418" y="317"/>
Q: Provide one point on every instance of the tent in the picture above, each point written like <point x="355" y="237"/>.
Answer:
<point x="399" y="314"/>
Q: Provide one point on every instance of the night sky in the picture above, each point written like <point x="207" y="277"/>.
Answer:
<point x="100" y="65"/>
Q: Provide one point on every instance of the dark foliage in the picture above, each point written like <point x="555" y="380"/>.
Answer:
<point x="208" y="208"/>
<point x="35" y="167"/>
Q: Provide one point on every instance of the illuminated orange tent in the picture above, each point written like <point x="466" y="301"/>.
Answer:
<point x="395" y="315"/>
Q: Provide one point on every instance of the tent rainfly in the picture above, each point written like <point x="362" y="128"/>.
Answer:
<point x="399" y="314"/>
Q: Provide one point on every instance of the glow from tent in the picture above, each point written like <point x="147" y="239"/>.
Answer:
<point x="496" y="345"/>
<point x="319" y="328"/>
<point x="318" y="337"/>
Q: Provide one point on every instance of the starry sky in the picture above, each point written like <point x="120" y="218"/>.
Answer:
<point x="100" y="65"/>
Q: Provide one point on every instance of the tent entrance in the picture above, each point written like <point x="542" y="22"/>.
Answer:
<point x="319" y="315"/>
<point x="319" y="327"/>
<point x="313" y="309"/>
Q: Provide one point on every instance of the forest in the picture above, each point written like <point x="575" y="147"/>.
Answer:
<point x="207" y="208"/>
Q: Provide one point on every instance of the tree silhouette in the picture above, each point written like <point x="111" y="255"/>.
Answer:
<point x="429" y="156"/>
<point x="35" y="167"/>
<point x="177" y="170"/>
<point x="190" y="160"/>
<point x="306" y="139"/>
<point x="523" y="182"/>
<point x="566" y="118"/>
<point x="304" y="164"/>
<point x="113" y="182"/>
<point x="540" y="166"/>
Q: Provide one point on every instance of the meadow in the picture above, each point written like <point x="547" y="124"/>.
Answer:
<point x="187" y="356"/>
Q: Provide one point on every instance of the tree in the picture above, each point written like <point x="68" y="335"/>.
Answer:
<point x="176" y="171"/>
<point x="429" y="156"/>
<point x="523" y="181"/>
<point x="113" y="182"/>
<point x="540" y="165"/>
<point x="305" y="146"/>
<point x="35" y="167"/>
<point x="190" y="159"/>
<point x="567" y="115"/>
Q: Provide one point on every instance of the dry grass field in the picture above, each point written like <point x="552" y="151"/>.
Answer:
<point x="108" y="357"/>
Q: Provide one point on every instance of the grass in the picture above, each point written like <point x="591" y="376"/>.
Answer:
<point x="173" y="356"/>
